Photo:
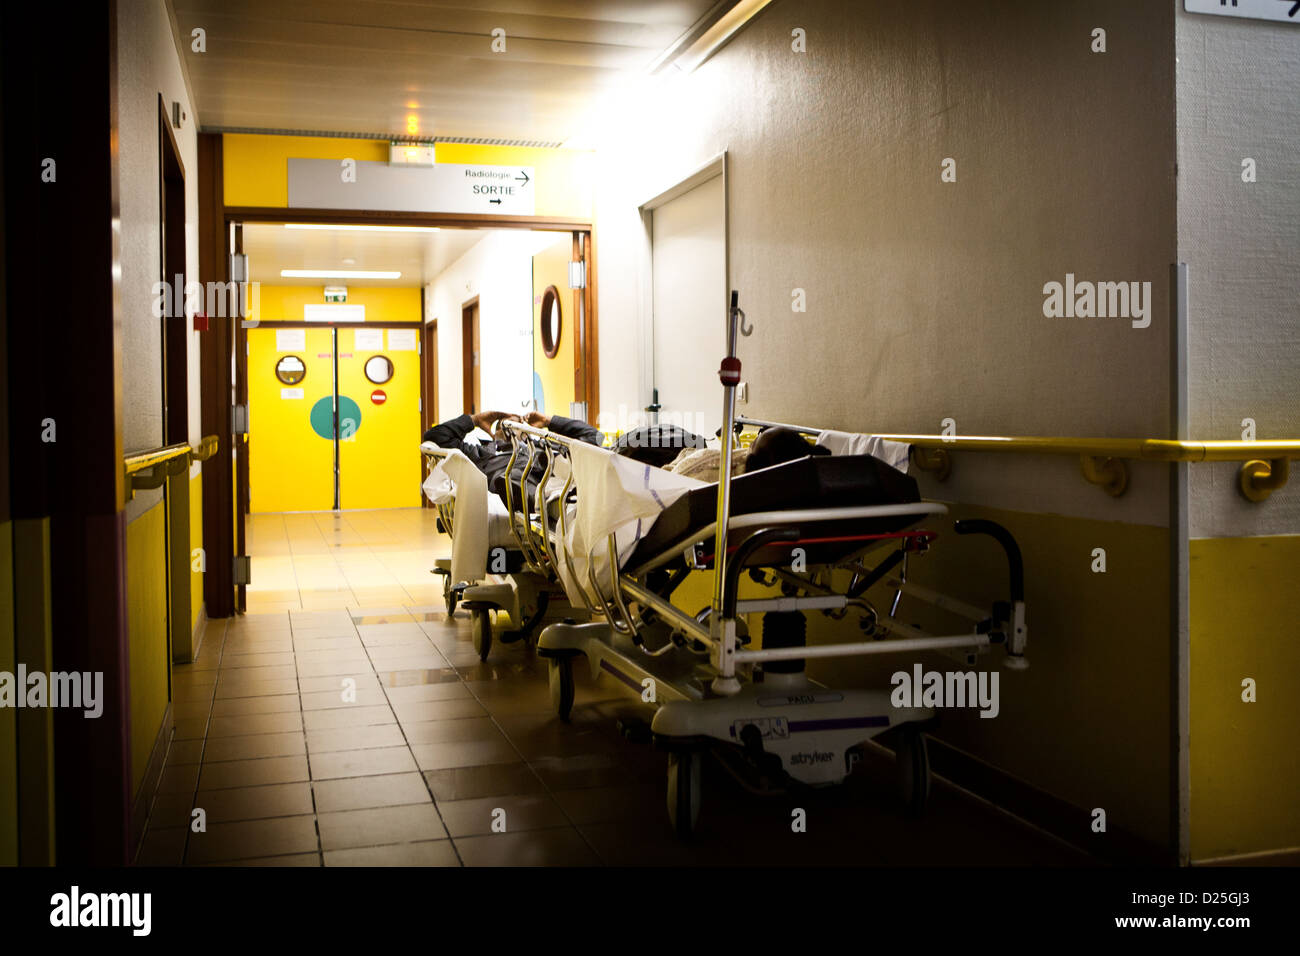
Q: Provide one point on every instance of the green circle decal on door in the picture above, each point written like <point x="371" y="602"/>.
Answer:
<point x="322" y="418"/>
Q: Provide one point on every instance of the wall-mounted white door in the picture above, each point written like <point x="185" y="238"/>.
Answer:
<point x="689" y="270"/>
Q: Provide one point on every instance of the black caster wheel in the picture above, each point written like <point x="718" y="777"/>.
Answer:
<point x="560" y="678"/>
<point x="635" y="729"/>
<point x="913" y="770"/>
<point x="481" y="628"/>
<point x="684" y="792"/>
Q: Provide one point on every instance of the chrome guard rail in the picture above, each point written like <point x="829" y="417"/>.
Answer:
<point x="446" y="509"/>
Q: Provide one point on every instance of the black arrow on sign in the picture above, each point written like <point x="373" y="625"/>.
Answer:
<point x="525" y="175"/>
<point x="497" y="201"/>
<point x="1294" y="9"/>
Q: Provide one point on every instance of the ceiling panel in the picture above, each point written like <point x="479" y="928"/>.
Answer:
<point x="419" y="256"/>
<point x="425" y="68"/>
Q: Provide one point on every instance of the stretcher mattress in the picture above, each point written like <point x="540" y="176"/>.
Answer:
<point x="812" y="482"/>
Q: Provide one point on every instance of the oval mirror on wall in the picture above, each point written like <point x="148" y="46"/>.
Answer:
<point x="551" y="320"/>
<point x="290" y="370"/>
<point x="379" y="369"/>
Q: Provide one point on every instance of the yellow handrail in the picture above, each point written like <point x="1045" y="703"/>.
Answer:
<point x="1265" y="464"/>
<point x="149" y="469"/>
<point x="1145" y="449"/>
<point x="206" y="448"/>
<point x="1265" y="468"/>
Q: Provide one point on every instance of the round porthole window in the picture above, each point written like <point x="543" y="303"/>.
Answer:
<point x="290" y="370"/>
<point x="379" y="369"/>
<point x="551" y="321"/>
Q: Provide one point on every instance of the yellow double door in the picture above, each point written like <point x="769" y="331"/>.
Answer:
<point x="334" y="418"/>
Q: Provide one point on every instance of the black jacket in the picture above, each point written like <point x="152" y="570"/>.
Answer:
<point x="493" y="457"/>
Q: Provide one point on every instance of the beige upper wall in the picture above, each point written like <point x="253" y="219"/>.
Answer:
<point x="1239" y="97"/>
<point x="147" y="65"/>
<point x="925" y="298"/>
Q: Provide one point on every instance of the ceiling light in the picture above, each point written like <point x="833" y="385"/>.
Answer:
<point x="328" y="226"/>
<point x="336" y="274"/>
<point x="688" y="54"/>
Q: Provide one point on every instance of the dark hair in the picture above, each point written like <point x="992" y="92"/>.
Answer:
<point x="776" y="445"/>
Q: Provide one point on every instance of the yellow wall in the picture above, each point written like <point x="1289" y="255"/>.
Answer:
<point x="146" y="602"/>
<point x="34" y="645"/>
<point x="551" y="267"/>
<point x="1245" y="772"/>
<point x="196" y="541"/>
<point x="283" y="303"/>
<point x="1089" y="720"/>
<point x="256" y="168"/>
<point x="563" y="176"/>
<point x="8" y="716"/>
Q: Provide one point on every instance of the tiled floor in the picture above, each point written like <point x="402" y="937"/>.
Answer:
<point x="371" y="735"/>
<point x="332" y="560"/>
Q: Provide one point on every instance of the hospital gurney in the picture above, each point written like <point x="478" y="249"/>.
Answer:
<point x="790" y="525"/>
<point x="489" y="570"/>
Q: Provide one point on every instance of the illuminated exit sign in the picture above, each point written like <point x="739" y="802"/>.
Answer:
<point x="1279" y="11"/>
<point x="410" y="154"/>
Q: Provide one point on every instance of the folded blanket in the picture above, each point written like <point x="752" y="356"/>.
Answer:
<point x="893" y="453"/>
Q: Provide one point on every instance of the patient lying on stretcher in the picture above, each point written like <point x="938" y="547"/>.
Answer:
<point x="664" y="446"/>
<point x="493" y="458"/>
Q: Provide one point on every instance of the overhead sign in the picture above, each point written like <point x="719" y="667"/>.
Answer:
<point x="446" y="187"/>
<point x="1279" y="11"/>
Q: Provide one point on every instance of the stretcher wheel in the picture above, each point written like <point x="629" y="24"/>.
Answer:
<point x="560" y="678"/>
<point x="481" y="628"/>
<point x="684" y="792"/>
<point x="913" y="770"/>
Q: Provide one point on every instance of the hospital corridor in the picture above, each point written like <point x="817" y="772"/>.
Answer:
<point x="836" y="445"/>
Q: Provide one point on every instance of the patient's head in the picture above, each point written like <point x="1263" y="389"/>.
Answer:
<point x="777" y="445"/>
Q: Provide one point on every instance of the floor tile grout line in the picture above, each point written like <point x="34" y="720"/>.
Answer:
<point x="302" y="720"/>
<point x="527" y="763"/>
<point x="203" y="751"/>
<point x="411" y="750"/>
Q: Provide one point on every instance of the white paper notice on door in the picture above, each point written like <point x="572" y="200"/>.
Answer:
<point x="369" y="340"/>
<point x="401" y="340"/>
<point x="290" y="340"/>
<point x="290" y="393"/>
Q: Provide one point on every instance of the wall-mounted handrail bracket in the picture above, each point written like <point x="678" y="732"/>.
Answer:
<point x="205" y="449"/>
<point x="1258" y="478"/>
<point x="1110" y="473"/>
<point x="151" y="469"/>
<point x="934" y="460"/>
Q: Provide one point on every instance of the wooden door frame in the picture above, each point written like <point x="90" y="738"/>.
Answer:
<point x="224" y="342"/>
<point x="171" y="247"/>
<point x="216" y="352"/>
<point x="429" y="359"/>
<point x="467" y="315"/>
<point x="428" y="383"/>
<point x="66" y="497"/>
